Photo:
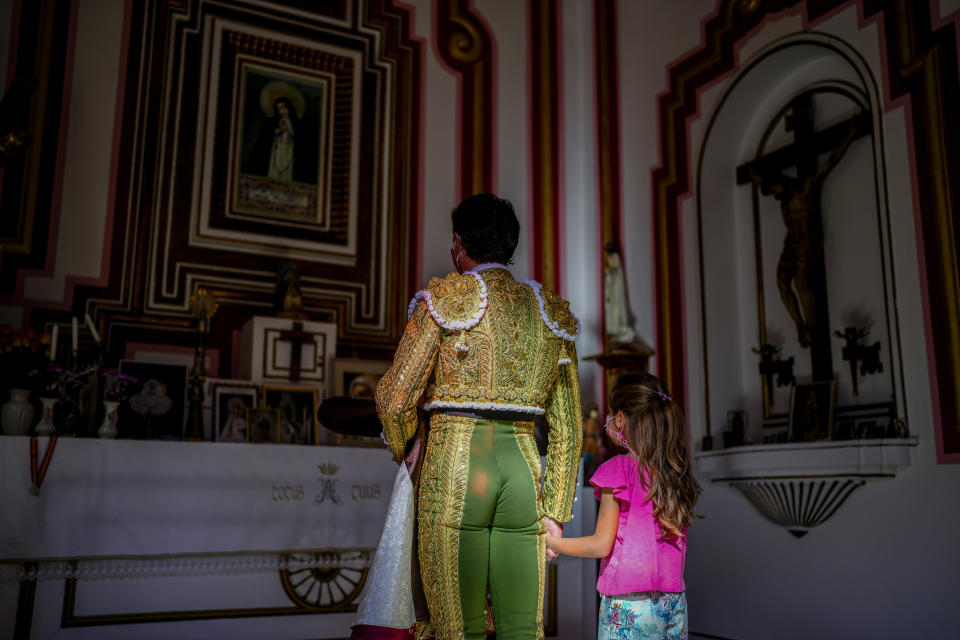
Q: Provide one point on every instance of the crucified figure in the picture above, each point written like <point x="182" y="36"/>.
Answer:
<point x="803" y="247"/>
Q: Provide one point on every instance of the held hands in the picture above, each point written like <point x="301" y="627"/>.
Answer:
<point x="554" y="531"/>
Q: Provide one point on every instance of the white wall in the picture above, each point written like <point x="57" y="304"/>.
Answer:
<point x="878" y="568"/>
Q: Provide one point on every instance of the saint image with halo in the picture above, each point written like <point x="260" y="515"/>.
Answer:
<point x="282" y="103"/>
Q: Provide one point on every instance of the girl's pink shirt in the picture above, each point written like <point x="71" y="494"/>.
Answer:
<point x="640" y="559"/>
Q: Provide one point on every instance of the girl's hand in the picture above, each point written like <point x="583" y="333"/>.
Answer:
<point x="551" y="542"/>
<point x="552" y="551"/>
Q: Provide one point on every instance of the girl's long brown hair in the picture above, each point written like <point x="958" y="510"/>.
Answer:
<point x="658" y="434"/>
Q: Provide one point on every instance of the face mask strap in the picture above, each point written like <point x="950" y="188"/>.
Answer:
<point x="617" y="436"/>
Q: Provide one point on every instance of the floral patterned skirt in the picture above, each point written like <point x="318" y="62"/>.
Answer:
<point x="649" y="615"/>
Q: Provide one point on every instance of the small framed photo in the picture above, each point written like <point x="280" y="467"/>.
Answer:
<point x="811" y="411"/>
<point x="230" y="404"/>
<point x="357" y="378"/>
<point x="297" y="412"/>
<point x="157" y="405"/>
<point x="262" y="425"/>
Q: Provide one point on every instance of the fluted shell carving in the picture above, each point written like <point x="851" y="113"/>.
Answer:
<point x="797" y="504"/>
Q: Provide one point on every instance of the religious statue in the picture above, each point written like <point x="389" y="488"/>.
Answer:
<point x="616" y="316"/>
<point x="289" y="299"/>
<point x="802" y="253"/>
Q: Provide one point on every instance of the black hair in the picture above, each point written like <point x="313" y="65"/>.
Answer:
<point x="488" y="228"/>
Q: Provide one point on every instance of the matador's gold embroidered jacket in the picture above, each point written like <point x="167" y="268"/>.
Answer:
<point x="483" y="341"/>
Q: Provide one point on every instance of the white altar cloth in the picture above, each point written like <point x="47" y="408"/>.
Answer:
<point x="137" y="498"/>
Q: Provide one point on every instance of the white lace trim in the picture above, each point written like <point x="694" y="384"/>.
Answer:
<point x="485" y="266"/>
<point x="563" y="361"/>
<point x="452" y="325"/>
<point x="551" y="324"/>
<point x="493" y="406"/>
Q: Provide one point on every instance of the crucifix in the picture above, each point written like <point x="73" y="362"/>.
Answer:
<point x="801" y="272"/>
<point x="296" y="337"/>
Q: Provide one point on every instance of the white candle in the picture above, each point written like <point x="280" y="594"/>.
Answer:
<point x="53" y="342"/>
<point x="93" y="329"/>
<point x="75" y="334"/>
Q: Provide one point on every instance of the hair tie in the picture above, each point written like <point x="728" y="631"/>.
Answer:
<point x="664" y="396"/>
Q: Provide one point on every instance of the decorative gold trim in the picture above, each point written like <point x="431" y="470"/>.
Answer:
<point x="526" y="442"/>
<point x="443" y="488"/>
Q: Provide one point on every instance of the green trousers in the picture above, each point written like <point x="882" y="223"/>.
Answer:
<point x="481" y="526"/>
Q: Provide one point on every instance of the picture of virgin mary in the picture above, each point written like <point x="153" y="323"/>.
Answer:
<point x="281" y="134"/>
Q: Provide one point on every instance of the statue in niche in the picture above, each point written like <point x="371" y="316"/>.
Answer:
<point x="616" y="316"/>
<point x="802" y="254"/>
<point x="289" y="299"/>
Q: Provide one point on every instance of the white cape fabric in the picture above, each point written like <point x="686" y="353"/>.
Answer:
<point x="388" y="600"/>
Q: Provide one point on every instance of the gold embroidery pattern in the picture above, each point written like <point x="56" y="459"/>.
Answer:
<point x="511" y="357"/>
<point x="401" y="387"/>
<point x="558" y="310"/>
<point x="523" y="431"/>
<point x="443" y="487"/>
<point x="564" y="443"/>
<point x="456" y="298"/>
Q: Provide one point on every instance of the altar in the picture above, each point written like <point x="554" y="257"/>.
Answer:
<point x="208" y="540"/>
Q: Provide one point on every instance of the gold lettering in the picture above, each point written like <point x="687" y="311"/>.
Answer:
<point x="365" y="491"/>
<point x="283" y="492"/>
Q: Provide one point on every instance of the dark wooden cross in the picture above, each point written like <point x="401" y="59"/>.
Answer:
<point x="297" y="337"/>
<point x="801" y="272"/>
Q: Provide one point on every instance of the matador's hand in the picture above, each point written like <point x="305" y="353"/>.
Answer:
<point x="554" y="529"/>
<point x="411" y="459"/>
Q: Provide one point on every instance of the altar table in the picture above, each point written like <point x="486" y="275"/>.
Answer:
<point x="204" y="540"/>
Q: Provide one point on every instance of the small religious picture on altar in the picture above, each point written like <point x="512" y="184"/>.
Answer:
<point x="811" y="411"/>
<point x="262" y="425"/>
<point x="357" y="378"/>
<point x="156" y="406"/>
<point x="230" y="404"/>
<point x="297" y="412"/>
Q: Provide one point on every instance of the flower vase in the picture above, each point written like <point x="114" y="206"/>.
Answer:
<point x="16" y="414"/>
<point x="46" y="426"/>
<point x="109" y="427"/>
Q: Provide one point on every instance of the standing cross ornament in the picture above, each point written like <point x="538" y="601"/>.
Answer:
<point x="297" y="337"/>
<point x="801" y="271"/>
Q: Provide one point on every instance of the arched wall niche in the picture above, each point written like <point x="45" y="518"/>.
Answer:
<point x="740" y="234"/>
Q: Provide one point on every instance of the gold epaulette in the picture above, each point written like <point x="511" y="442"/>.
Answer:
<point x="555" y="312"/>
<point x="455" y="302"/>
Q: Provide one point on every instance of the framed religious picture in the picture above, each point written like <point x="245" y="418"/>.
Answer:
<point x="357" y="378"/>
<point x="297" y="412"/>
<point x="262" y="425"/>
<point x="230" y="404"/>
<point x="811" y="411"/>
<point x="156" y="406"/>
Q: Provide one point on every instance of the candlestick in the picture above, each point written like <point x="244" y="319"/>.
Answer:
<point x="75" y="333"/>
<point x="93" y="329"/>
<point x="54" y="335"/>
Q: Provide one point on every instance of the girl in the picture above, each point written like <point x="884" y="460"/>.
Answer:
<point x="646" y="503"/>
